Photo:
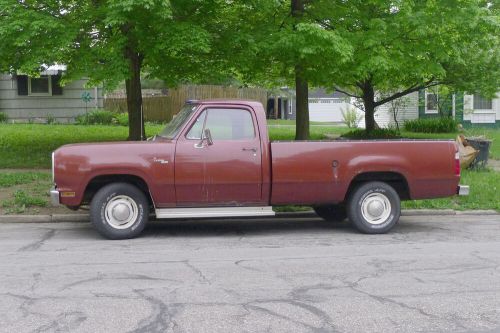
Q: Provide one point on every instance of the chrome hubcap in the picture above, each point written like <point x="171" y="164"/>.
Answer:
<point x="121" y="212"/>
<point x="376" y="208"/>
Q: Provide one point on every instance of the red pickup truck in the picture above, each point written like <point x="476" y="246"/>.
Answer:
<point x="214" y="159"/>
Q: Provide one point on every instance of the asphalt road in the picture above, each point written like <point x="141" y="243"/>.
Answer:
<point x="432" y="273"/>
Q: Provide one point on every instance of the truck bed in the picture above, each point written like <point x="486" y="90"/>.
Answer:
<point x="320" y="172"/>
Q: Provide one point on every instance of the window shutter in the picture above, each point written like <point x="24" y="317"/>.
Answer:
<point x="22" y="85"/>
<point x="56" y="86"/>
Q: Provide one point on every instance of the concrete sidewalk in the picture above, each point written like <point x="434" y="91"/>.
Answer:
<point x="78" y="217"/>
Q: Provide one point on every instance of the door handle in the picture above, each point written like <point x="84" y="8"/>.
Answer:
<point x="250" y="149"/>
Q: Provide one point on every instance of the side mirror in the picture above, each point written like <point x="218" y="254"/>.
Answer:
<point x="208" y="136"/>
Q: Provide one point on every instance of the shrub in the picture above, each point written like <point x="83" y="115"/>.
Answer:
<point x="3" y="117"/>
<point x="432" y="125"/>
<point x="96" y="117"/>
<point x="51" y="120"/>
<point x="121" y="119"/>
<point x="379" y="133"/>
<point x="350" y="117"/>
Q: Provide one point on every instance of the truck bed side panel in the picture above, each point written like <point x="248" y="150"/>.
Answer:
<point x="308" y="172"/>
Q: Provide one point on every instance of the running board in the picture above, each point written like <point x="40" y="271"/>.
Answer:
<point x="176" y="213"/>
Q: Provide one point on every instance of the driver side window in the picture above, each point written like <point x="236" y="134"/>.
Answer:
<point x="224" y="124"/>
<point x="195" y="133"/>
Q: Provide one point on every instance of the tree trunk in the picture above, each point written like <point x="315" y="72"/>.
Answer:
<point x="369" y="103"/>
<point x="395" y="115"/>
<point x="301" y="87"/>
<point x="275" y="108"/>
<point x="302" y="106"/>
<point x="136" y="131"/>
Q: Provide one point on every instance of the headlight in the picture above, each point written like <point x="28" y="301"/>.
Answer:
<point x="53" y="164"/>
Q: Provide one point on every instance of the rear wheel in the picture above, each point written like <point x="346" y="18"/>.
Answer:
<point x="331" y="213"/>
<point x="374" y="208"/>
<point x="119" y="211"/>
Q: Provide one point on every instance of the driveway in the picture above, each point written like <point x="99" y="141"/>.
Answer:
<point x="431" y="274"/>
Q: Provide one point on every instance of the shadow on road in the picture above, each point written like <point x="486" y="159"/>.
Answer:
<point x="272" y="227"/>
<point x="219" y="227"/>
<point x="208" y="228"/>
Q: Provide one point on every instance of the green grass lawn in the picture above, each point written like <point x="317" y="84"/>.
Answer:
<point x="484" y="194"/>
<point x="8" y="179"/>
<point x="24" y="192"/>
<point x="28" y="146"/>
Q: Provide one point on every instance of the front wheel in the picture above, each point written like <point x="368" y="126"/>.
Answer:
<point x="119" y="211"/>
<point x="374" y="208"/>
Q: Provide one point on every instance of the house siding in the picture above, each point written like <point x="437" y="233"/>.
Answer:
<point x="384" y="117"/>
<point x="481" y="118"/>
<point x="63" y="107"/>
<point x="327" y="106"/>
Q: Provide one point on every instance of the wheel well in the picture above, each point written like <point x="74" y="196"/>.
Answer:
<point x="395" y="180"/>
<point x="98" y="182"/>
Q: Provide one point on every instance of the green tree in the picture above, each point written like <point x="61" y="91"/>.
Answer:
<point x="110" y="42"/>
<point x="276" y="43"/>
<point x="400" y="47"/>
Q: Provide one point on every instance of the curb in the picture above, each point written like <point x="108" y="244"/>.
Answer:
<point x="54" y="218"/>
<point x="58" y="218"/>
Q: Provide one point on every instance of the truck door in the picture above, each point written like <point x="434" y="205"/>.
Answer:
<point x="227" y="172"/>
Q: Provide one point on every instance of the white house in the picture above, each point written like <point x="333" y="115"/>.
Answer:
<point x="467" y="109"/>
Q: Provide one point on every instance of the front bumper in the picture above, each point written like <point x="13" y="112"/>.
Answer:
<point x="463" y="190"/>
<point x="54" y="196"/>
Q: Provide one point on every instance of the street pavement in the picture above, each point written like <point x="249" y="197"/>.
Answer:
<point x="430" y="274"/>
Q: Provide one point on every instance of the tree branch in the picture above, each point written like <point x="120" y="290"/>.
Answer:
<point x="428" y="84"/>
<point x="346" y="93"/>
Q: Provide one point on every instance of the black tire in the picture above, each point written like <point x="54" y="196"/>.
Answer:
<point x="331" y="213"/>
<point x="384" y="202"/>
<point x="131" y="204"/>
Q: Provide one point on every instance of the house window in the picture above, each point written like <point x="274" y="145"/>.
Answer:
<point x="431" y="103"/>
<point x="40" y="86"/>
<point x="481" y="103"/>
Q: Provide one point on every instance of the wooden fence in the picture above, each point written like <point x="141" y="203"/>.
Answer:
<point x="162" y="108"/>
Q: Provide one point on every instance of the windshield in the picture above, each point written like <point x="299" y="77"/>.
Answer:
<point x="174" y="126"/>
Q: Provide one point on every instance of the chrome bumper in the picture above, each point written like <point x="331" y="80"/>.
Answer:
<point x="463" y="190"/>
<point x="54" y="196"/>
